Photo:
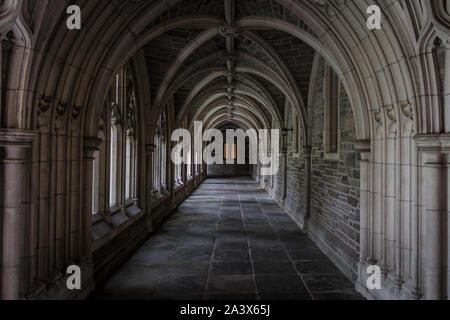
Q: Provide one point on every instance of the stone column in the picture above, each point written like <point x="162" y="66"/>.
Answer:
<point x="15" y="149"/>
<point x="90" y="146"/>
<point x="363" y="147"/>
<point x="434" y="192"/>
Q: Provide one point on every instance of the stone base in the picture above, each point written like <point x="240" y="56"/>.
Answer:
<point x="389" y="290"/>
<point x="58" y="290"/>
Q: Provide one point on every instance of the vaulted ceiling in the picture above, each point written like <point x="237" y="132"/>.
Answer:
<point x="223" y="72"/>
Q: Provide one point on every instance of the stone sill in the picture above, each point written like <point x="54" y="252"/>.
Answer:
<point x="98" y="243"/>
<point x="158" y="201"/>
<point x="179" y="187"/>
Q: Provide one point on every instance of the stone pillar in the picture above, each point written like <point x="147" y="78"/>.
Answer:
<point x="434" y="192"/>
<point x="90" y="146"/>
<point x="15" y="149"/>
<point x="363" y="147"/>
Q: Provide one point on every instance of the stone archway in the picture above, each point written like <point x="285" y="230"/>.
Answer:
<point x="58" y="80"/>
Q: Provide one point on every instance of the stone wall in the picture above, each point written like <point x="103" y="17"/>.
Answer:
<point x="335" y="184"/>
<point x="333" y="217"/>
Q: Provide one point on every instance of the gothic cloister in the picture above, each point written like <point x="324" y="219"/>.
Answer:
<point x="87" y="178"/>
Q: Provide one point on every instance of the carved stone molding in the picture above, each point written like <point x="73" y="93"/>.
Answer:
<point x="229" y="31"/>
<point x="116" y="116"/>
<point x="407" y="110"/>
<point x="392" y="116"/>
<point x="90" y="146"/>
<point x="378" y="116"/>
<point x="16" y="137"/>
<point x="433" y="142"/>
<point x="9" y="11"/>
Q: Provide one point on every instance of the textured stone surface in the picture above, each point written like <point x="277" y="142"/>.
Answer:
<point x="335" y="183"/>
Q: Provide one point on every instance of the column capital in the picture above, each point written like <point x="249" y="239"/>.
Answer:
<point x="91" y="145"/>
<point x="433" y="143"/>
<point x="17" y="137"/>
<point x="363" y="147"/>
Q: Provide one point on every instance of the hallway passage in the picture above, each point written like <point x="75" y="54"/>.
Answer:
<point x="228" y="240"/>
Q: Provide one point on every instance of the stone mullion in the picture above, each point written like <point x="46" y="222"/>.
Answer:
<point x="15" y="167"/>
<point x="121" y="150"/>
<point x="107" y="166"/>
<point x="134" y="167"/>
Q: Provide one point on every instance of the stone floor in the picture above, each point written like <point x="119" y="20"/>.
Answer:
<point x="228" y="240"/>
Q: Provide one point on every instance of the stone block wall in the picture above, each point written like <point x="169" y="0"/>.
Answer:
<point x="335" y="185"/>
<point x="333" y="217"/>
